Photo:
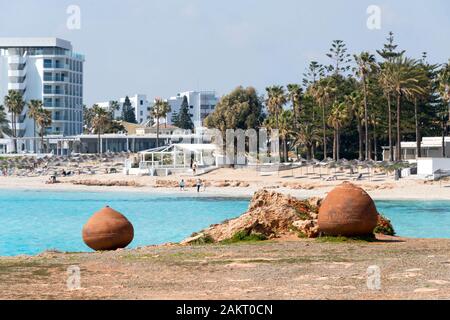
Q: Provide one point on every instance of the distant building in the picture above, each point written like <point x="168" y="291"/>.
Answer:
<point x="201" y="104"/>
<point x="44" y="69"/>
<point x="431" y="147"/>
<point x="139" y="103"/>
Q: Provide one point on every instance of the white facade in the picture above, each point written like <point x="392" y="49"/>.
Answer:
<point x="429" y="166"/>
<point x="431" y="147"/>
<point x="139" y="103"/>
<point x="44" y="69"/>
<point x="201" y="104"/>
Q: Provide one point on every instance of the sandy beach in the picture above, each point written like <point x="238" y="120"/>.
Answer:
<point x="242" y="183"/>
<point x="277" y="269"/>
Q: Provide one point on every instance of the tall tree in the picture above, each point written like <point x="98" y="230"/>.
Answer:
<point x="444" y="93"/>
<point x="43" y="120"/>
<point x="339" y="116"/>
<point x="183" y="119"/>
<point x="4" y="122"/>
<point x="100" y="120"/>
<point x="295" y="95"/>
<point x="404" y="81"/>
<point x="389" y="53"/>
<point x="34" y="108"/>
<point x="322" y="92"/>
<point x="355" y="103"/>
<point x="128" y="114"/>
<point x="15" y="104"/>
<point x="160" y="110"/>
<point x="276" y="99"/>
<point x="365" y="64"/>
<point x="240" y="109"/>
<point x="341" y="59"/>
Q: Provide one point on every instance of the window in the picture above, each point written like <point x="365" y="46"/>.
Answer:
<point x="47" y="63"/>
<point x="142" y="102"/>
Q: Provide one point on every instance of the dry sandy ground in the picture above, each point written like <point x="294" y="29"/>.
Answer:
<point x="300" y="269"/>
<point x="300" y="183"/>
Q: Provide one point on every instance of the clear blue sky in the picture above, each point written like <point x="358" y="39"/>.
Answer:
<point x="161" y="47"/>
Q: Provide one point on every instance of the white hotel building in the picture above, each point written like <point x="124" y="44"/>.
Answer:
<point x="139" y="103"/>
<point x="201" y="104"/>
<point x="45" y="69"/>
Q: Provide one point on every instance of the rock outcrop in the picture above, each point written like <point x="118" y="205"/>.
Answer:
<point x="271" y="215"/>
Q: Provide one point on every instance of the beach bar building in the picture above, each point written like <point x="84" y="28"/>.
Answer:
<point x="178" y="157"/>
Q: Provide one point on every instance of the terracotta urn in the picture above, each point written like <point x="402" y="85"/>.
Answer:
<point x="108" y="229"/>
<point x="347" y="211"/>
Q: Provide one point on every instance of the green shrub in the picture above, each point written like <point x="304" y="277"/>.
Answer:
<point x="384" y="226"/>
<point x="244" y="236"/>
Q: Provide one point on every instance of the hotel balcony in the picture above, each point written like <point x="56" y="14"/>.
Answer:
<point x="17" y="86"/>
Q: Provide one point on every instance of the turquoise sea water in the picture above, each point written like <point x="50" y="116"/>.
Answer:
<point x="31" y="221"/>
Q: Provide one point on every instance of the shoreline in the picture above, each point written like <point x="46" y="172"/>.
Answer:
<point x="225" y="192"/>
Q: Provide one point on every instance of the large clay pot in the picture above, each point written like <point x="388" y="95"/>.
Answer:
<point x="347" y="211"/>
<point x="108" y="229"/>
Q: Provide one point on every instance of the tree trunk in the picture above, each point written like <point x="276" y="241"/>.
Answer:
<point x="418" y="137"/>
<point x="313" y="147"/>
<point x="309" y="151"/>
<point x="360" y="138"/>
<point x="334" y="144"/>
<point x="391" y="150"/>
<point x="34" y="136"/>
<point x="324" y="133"/>
<point x="157" y="133"/>
<point x="365" y="117"/>
<point x="285" y="149"/>
<point x="444" y="127"/>
<point x="98" y="142"/>
<point x="338" y="142"/>
<point x="375" y="146"/>
<point x="399" y="136"/>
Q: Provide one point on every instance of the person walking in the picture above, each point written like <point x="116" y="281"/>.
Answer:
<point x="199" y="184"/>
<point x="182" y="184"/>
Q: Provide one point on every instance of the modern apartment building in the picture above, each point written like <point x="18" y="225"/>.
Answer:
<point x="139" y="103"/>
<point x="201" y="104"/>
<point x="45" y="69"/>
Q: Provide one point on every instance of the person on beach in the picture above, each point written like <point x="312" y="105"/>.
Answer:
<point x="199" y="184"/>
<point x="182" y="184"/>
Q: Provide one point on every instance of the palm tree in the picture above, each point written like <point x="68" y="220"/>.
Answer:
<point x="295" y="94"/>
<point x="321" y="91"/>
<point x="276" y="99"/>
<point x="404" y="80"/>
<point x="365" y="63"/>
<point x="43" y="120"/>
<point x="285" y="130"/>
<point x="386" y="84"/>
<point x="15" y="104"/>
<point x="114" y="105"/>
<point x="160" y="110"/>
<point x="34" y="107"/>
<point x="355" y="102"/>
<point x="4" y="122"/>
<point x="307" y="136"/>
<point x="101" y="118"/>
<point x="444" y="93"/>
<point x="415" y="96"/>
<point x="339" y="116"/>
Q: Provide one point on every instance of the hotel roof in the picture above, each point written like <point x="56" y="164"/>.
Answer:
<point x="35" y="42"/>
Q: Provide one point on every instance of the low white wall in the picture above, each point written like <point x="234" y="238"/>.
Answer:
<point x="428" y="166"/>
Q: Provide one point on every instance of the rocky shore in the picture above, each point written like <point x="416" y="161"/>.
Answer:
<point x="273" y="215"/>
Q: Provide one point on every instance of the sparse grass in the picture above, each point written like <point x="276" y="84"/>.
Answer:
<point x="341" y="239"/>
